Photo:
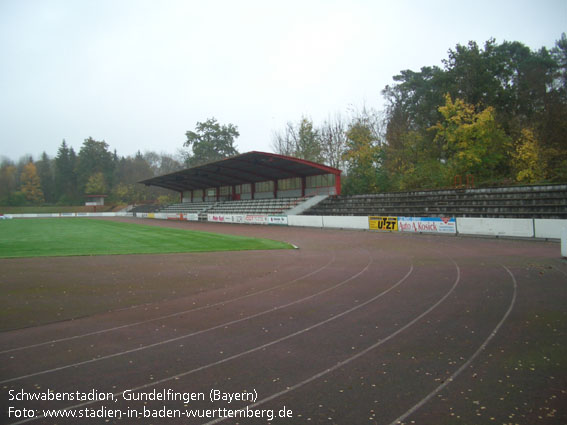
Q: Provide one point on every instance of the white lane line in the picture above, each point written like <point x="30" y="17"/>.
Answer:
<point x="55" y="341"/>
<point x="178" y="338"/>
<point x="243" y="353"/>
<point x="354" y="357"/>
<point x="465" y="365"/>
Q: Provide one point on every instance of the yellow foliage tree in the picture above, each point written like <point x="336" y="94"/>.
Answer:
<point x="472" y="142"/>
<point x="528" y="158"/>
<point x="96" y="184"/>
<point x="31" y="184"/>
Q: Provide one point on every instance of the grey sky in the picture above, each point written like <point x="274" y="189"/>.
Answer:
<point x="139" y="73"/>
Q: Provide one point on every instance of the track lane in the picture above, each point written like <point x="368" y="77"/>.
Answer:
<point x="293" y="351"/>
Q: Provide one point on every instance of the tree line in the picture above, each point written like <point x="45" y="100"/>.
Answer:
<point x="495" y="114"/>
<point x="69" y="176"/>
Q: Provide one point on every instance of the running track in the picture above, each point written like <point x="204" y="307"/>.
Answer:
<point x="352" y="328"/>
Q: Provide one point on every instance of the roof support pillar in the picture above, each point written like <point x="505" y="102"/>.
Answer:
<point x="303" y="184"/>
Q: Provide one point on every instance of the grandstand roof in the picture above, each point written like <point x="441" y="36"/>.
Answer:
<point x="248" y="167"/>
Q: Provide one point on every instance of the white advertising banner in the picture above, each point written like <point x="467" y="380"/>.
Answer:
<point x="278" y="220"/>
<point x="226" y="218"/>
<point x="256" y="219"/>
<point x="446" y="225"/>
<point x="191" y="217"/>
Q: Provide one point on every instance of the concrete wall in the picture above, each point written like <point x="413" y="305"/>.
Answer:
<point x="498" y="227"/>
<point x="549" y="229"/>
<point x="342" y="222"/>
<point x="517" y="227"/>
<point x="293" y="193"/>
<point x="305" y="220"/>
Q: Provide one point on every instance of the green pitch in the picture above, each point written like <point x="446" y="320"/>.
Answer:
<point x="82" y="236"/>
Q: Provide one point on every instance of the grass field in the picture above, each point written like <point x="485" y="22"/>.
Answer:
<point x="84" y="236"/>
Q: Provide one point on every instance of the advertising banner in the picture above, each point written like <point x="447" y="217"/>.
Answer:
<point x="446" y="225"/>
<point x="256" y="219"/>
<point x="383" y="223"/>
<point x="191" y="217"/>
<point x="277" y="220"/>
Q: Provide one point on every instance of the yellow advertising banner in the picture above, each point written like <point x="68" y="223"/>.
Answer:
<point x="383" y="223"/>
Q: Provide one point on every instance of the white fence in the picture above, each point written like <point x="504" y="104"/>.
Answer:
<point x="498" y="227"/>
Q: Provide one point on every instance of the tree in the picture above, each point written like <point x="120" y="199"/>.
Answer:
<point x="308" y="145"/>
<point x="473" y="143"/>
<point x="508" y="85"/>
<point x="284" y="143"/>
<point x="210" y="142"/>
<point x="8" y="181"/>
<point x="94" y="157"/>
<point x="64" y="174"/>
<point x="333" y="141"/>
<point x="31" y="184"/>
<point x="301" y="140"/>
<point x="528" y="158"/>
<point x="45" y="173"/>
<point x="96" y="184"/>
<point x="364" y="158"/>
<point x="162" y="163"/>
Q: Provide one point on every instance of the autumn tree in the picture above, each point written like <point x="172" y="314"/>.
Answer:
<point x="31" y="184"/>
<point x="472" y="142"/>
<point x="509" y="86"/>
<point x="96" y="185"/>
<point x="363" y="158"/>
<point x="529" y="162"/>
<point x="8" y="181"/>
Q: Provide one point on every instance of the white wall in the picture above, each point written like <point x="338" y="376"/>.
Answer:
<point x="343" y="222"/>
<point x="305" y="220"/>
<point x="517" y="227"/>
<point x="549" y="228"/>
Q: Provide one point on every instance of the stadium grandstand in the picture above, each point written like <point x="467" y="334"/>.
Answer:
<point x="250" y="183"/>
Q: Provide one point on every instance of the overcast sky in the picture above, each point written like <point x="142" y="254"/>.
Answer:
<point x="139" y="74"/>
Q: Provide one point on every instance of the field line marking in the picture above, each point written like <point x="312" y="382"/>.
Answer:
<point x="354" y="357"/>
<point x="155" y="319"/>
<point x="180" y="337"/>
<point x="243" y="353"/>
<point x="451" y="378"/>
